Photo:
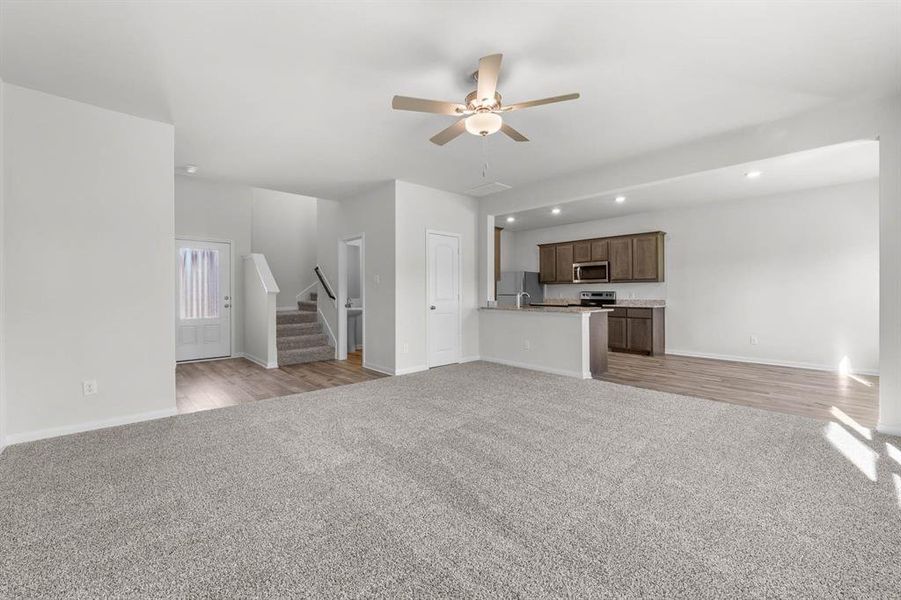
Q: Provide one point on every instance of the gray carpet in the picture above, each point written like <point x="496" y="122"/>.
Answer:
<point x="467" y="481"/>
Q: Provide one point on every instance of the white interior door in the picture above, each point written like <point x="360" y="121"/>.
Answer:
<point x="444" y="299"/>
<point x="202" y="300"/>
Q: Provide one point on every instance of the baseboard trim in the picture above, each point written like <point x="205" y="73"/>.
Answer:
<point x="259" y="361"/>
<point x="764" y="361"/>
<point x="409" y="370"/>
<point x="467" y="359"/>
<point x="889" y="429"/>
<point x="377" y="368"/>
<point x="552" y="371"/>
<point x="40" y="434"/>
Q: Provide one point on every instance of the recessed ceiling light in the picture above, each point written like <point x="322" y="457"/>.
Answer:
<point x="620" y="199"/>
<point x="555" y="211"/>
<point x="190" y="169"/>
<point x="753" y="174"/>
<point x="510" y="219"/>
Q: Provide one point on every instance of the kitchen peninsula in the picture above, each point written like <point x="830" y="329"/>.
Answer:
<point x="564" y="340"/>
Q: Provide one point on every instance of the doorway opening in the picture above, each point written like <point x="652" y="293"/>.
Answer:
<point x="203" y="299"/>
<point x="351" y="298"/>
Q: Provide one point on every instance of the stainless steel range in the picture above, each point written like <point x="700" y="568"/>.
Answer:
<point x="597" y="298"/>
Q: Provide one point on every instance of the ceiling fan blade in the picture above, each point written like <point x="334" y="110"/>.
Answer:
<point x="489" y="68"/>
<point x="531" y="103"/>
<point x="427" y="106"/>
<point x="446" y="135"/>
<point x="512" y="133"/>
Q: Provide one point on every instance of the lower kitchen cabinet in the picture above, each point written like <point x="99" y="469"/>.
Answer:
<point x="639" y="330"/>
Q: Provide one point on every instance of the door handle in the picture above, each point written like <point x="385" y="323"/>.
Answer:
<point x="432" y="307"/>
<point x="228" y="305"/>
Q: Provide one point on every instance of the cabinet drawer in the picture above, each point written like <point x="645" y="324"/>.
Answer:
<point x="619" y="312"/>
<point x="640" y="313"/>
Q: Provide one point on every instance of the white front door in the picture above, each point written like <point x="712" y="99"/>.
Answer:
<point x="202" y="300"/>
<point x="444" y="299"/>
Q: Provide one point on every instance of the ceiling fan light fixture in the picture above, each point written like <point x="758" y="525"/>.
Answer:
<point x="483" y="123"/>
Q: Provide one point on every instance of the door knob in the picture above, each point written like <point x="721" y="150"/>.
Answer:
<point x="227" y="305"/>
<point x="432" y="307"/>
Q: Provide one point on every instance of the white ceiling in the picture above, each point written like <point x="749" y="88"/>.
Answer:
<point x="296" y="95"/>
<point x="821" y="167"/>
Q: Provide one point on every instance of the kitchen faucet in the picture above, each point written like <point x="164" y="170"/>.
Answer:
<point x="519" y="296"/>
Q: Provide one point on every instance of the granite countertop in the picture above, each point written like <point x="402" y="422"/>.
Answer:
<point x="624" y="303"/>
<point x="551" y="309"/>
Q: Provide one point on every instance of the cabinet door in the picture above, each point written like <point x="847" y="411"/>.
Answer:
<point x="645" y="257"/>
<point x="547" y="264"/>
<point x="616" y="333"/>
<point x="581" y="252"/>
<point x="639" y="335"/>
<point x="564" y="263"/>
<point x="620" y="258"/>
<point x="599" y="250"/>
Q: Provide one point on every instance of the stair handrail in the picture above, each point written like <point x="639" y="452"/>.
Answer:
<point x="324" y="282"/>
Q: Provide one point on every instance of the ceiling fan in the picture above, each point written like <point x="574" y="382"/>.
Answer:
<point x="482" y="108"/>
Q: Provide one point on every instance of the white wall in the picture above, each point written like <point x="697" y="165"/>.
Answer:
<point x="260" y="293"/>
<point x="2" y="293"/>
<point x="218" y="211"/>
<point x="284" y="230"/>
<point x="799" y="271"/>
<point x="420" y="208"/>
<point x="372" y="214"/>
<point x="508" y="252"/>
<point x="89" y="278"/>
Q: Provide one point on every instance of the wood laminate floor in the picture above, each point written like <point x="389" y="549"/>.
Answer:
<point x="783" y="389"/>
<point x="214" y="384"/>
<point x="206" y="385"/>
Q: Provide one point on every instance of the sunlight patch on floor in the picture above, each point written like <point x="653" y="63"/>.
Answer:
<point x="858" y="453"/>
<point x="849" y="422"/>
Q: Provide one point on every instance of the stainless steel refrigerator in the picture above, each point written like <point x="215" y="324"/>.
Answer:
<point x="513" y="282"/>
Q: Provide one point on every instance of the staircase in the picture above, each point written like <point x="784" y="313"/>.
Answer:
<point x="299" y="335"/>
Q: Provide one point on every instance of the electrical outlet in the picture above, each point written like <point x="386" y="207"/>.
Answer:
<point x="378" y="279"/>
<point x="406" y="348"/>
<point x="526" y="345"/>
<point x="89" y="387"/>
<point x="754" y="340"/>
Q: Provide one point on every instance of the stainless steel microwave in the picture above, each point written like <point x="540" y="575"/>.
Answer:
<point x="591" y="272"/>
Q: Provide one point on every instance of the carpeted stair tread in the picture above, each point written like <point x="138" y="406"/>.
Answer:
<point x="304" y="355"/>
<point x="307" y="305"/>
<point x="291" y="329"/>
<point x="293" y="342"/>
<point x="295" y="316"/>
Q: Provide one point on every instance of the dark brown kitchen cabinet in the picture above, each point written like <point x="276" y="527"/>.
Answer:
<point x="599" y="250"/>
<point x="635" y="257"/>
<point x="581" y="252"/>
<point x="547" y="264"/>
<point x="616" y="333"/>
<point x="638" y="330"/>
<point x="564" y="263"/>
<point x="620" y="257"/>
<point x="647" y="257"/>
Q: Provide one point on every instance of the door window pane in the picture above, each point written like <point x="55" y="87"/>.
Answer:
<point x="198" y="277"/>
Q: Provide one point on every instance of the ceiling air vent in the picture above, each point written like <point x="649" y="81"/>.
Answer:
<point x="487" y="188"/>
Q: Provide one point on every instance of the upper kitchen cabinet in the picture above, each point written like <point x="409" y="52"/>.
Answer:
<point x="631" y="258"/>
<point x="620" y="257"/>
<point x="547" y="264"/>
<point x="598" y="249"/>
<point x="581" y="252"/>
<point x="647" y="257"/>
<point x="564" y="263"/>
